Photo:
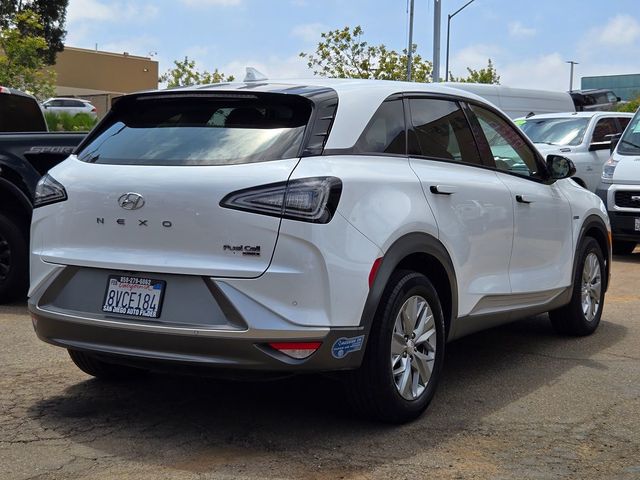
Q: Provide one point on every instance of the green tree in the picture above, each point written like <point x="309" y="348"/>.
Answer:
<point x="52" y="15"/>
<point x="630" y="106"/>
<point x="484" y="75"/>
<point x="21" y="62"/>
<point x="185" y="73"/>
<point x="343" y="53"/>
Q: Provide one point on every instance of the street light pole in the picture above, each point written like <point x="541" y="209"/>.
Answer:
<point x="449" y="17"/>
<point x="572" y="63"/>
<point x="410" y="47"/>
<point x="435" y="75"/>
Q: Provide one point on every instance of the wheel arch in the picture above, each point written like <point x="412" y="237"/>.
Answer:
<point x="594" y="227"/>
<point x="422" y="253"/>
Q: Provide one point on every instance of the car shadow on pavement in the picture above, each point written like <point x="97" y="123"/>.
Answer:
<point x="199" y="424"/>
<point x="629" y="258"/>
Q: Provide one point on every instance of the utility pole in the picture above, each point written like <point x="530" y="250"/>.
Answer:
<point x="410" y="47"/>
<point x="449" y="17"/>
<point x="437" y="13"/>
<point x="572" y="63"/>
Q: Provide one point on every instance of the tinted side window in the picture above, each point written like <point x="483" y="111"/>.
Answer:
<point x="510" y="152"/>
<point x="385" y="132"/>
<point x="624" y="121"/>
<point x="604" y="127"/>
<point x="20" y="114"/>
<point x="442" y="130"/>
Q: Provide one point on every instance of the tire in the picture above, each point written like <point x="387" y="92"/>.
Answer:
<point x="623" y="248"/>
<point x="373" y="390"/>
<point x="14" y="259"/>
<point x="91" y="365"/>
<point x="581" y="316"/>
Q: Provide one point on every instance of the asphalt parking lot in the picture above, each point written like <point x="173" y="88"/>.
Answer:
<point x="516" y="402"/>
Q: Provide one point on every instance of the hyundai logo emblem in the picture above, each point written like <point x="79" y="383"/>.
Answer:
<point x="131" y="201"/>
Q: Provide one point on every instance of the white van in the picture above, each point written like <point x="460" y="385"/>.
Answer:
<point x="519" y="102"/>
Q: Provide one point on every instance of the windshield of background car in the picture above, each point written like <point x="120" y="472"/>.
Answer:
<point x="206" y="130"/>
<point x="629" y="144"/>
<point x="555" y="131"/>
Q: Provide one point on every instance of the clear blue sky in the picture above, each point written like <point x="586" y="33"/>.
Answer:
<point x="528" y="40"/>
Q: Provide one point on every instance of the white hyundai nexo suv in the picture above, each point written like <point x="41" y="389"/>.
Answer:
<point x="309" y="226"/>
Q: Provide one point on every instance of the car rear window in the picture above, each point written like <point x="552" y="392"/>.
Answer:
<point x="200" y="130"/>
<point x="20" y="113"/>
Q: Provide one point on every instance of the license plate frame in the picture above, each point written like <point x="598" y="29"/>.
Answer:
<point x="140" y="285"/>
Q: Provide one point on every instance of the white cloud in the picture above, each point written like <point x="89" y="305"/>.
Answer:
<point x="141" y="45"/>
<point x="211" y="3"/>
<point x="99" y="11"/>
<point x="545" y="72"/>
<point x="273" y="67"/>
<point x="309" y="32"/>
<point x="475" y="56"/>
<point x="621" y="30"/>
<point x="518" y="30"/>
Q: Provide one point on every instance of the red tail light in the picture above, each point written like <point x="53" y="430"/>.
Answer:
<point x="297" y="350"/>
<point x="93" y="110"/>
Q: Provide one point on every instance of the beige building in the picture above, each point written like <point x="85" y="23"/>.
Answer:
<point x="100" y="76"/>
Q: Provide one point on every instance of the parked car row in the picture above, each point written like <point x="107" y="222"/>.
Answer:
<point x="584" y="137"/>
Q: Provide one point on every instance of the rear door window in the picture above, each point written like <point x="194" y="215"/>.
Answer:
<point x="442" y="131"/>
<point x="191" y="130"/>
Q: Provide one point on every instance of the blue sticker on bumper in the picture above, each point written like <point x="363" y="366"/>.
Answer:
<point x="343" y="346"/>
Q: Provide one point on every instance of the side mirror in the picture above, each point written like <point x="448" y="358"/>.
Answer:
<point x="600" y="145"/>
<point x="618" y="99"/>
<point x="560" y="167"/>
<point x="615" y="138"/>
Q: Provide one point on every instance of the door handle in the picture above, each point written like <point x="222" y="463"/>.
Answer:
<point x="443" y="189"/>
<point x="523" y="199"/>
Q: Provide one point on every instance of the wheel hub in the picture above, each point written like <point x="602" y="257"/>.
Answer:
<point x="413" y="347"/>
<point x="591" y="291"/>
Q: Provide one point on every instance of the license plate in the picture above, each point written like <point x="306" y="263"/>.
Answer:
<point x="637" y="225"/>
<point x="133" y="296"/>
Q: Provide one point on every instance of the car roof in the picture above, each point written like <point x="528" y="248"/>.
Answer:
<point x="358" y="99"/>
<point x="578" y="115"/>
<point x="67" y="98"/>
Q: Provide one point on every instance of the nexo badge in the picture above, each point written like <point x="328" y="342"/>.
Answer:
<point x="344" y="346"/>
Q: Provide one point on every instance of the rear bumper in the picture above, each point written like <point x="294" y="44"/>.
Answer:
<point x="204" y="323"/>
<point x="155" y="350"/>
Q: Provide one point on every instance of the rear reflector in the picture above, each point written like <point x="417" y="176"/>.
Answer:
<point x="297" y="350"/>
<point x="374" y="271"/>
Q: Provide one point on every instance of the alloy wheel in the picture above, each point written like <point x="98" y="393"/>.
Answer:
<point x="591" y="287"/>
<point x="413" y="347"/>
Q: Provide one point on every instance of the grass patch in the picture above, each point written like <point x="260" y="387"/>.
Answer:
<point x="65" y="122"/>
